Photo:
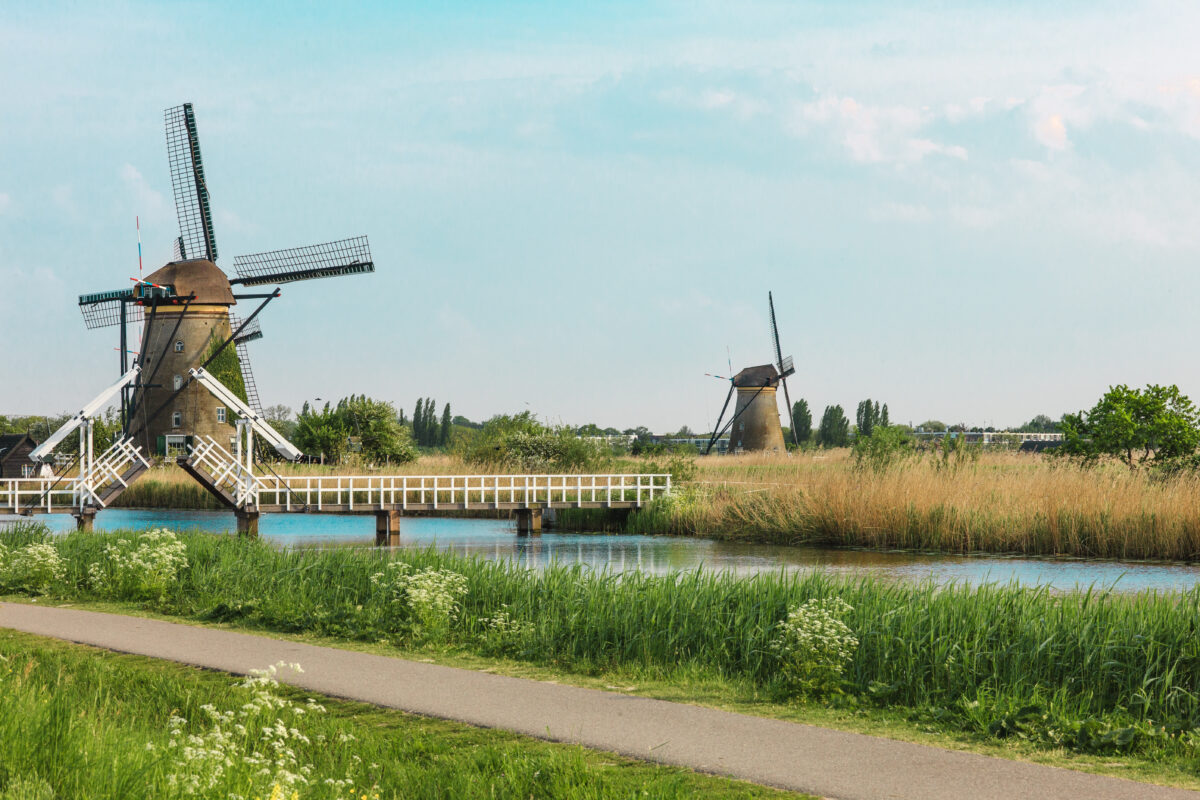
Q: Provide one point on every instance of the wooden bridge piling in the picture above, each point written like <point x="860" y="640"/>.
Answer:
<point x="529" y="520"/>
<point x="387" y="528"/>
<point x="247" y="522"/>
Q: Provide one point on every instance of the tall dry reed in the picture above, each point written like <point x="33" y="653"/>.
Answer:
<point x="999" y="502"/>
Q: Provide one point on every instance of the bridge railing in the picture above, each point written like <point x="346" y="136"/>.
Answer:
<point x="434" y="491"/>
<point x="18" y="495"/>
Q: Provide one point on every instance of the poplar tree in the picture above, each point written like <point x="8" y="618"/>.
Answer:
<point x="802" y="420"/>
<point x="444" y="438"/>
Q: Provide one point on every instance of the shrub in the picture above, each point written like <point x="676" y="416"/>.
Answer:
<point x="521" y="443"/>
<point x="887" y="445"/>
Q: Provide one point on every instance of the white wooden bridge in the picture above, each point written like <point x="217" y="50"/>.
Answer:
<point x="232" y="478"/>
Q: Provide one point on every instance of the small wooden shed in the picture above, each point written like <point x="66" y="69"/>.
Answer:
<point x="14" y="456"/>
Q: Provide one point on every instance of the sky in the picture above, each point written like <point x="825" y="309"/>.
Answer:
<point x="971" y="211"/>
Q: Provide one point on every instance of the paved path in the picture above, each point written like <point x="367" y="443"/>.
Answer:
<point x="823" y="762"/>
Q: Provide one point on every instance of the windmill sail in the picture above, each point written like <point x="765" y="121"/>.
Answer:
<point x="786" y="368"/>
<point x="103" y="309"/>
<point x="251" y="331"/>
<point x="248" y="375"/>
<point x="343" y="257"/>
<point x="196" y="239"/>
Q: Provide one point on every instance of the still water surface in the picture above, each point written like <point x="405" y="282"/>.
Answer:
<point x="659" y="554"/>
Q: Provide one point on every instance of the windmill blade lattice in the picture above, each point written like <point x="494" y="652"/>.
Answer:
<point x="252" y="331"/>
<point x="243" y="353"/>
<point x="342" y="257"/>
<point x="196" y="239"/>
<point x="103" y="309"/>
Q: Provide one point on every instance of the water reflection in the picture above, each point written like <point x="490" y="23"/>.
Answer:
<point x="497" y="539"/>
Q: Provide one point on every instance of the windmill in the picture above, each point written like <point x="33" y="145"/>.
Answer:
<point x="186" y="308"/>
<point x="755" y="421"/>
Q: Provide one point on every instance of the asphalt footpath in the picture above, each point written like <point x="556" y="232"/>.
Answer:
<point x="827" y="763"/>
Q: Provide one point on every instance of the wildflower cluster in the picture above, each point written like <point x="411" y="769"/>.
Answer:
<point x="814" y="646"/>
<point x="32" y="568"/>
<point x="502" y="634"/>
<point x="251" y="751"/>
<point x="430" y="599"/>
<point x="138" y="568"/>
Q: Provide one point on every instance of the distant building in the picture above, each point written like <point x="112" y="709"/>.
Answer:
<point x="1010" y="438"/>
<point x="14" y="456"/>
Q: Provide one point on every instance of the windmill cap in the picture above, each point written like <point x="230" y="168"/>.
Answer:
<point x="755" y="377"/>
<point x="200" y="277"/>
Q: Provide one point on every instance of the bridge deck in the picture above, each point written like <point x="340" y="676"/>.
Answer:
<point x="366" y="494"/>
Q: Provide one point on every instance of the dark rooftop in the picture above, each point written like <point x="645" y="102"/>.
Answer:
<point x="766" y="375"/>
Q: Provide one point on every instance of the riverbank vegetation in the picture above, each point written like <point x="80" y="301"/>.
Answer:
<point x="176" y="731"/>
<point x="958" y="500"/>
<point x="1087" y="672"/>
<point x="952" y="500"/>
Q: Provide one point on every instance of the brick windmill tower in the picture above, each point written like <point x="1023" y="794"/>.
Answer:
<point x="755" y="422"/>
<point x="186" y="307"/>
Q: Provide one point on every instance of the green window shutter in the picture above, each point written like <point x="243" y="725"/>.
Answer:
<point x="161" y="445"/>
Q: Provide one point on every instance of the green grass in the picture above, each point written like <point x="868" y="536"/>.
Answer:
<point x="1106" y="675"/>
<point x="75" y="723"/>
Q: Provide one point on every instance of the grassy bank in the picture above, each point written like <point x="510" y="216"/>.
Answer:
<point x="1084" y="672"/>
<point x="81" y="723"/>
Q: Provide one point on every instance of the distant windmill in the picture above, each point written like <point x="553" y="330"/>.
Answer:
<point x="186" y="307"/>
<point x="755" y="421"/>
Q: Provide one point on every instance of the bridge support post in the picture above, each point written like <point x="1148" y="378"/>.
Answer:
<point x="529" y="520"/>
<point x="387" y="528"/>
<point x="247" y="522"/>
<point x="85" y="520"/>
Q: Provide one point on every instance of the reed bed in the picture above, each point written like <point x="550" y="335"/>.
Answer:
<point x="999" y="502"/>
<point x="1071" y="668"/>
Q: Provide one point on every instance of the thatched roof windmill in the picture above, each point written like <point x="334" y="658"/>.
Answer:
<point x="186" y="307"/>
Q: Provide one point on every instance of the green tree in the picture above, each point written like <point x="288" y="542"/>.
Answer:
<point x="864" y="417"/>
<point x="1039" y="424"/>
<point x="834" y="430"/>
<point x="883" y="417"/>
<point x="279" y="417"/>
<point x="321" y="434"/>
<point x="447" y="422"/>
<point x="375" y="422"/>
<point x="932" y="426"/>
<point x="1155" y="425"/>
<point x="802" y="421"/>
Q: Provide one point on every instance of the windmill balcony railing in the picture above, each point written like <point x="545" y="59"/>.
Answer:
<point x="457" y="492"/>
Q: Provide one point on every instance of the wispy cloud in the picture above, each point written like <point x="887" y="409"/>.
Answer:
<point x="871" y="133"/>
